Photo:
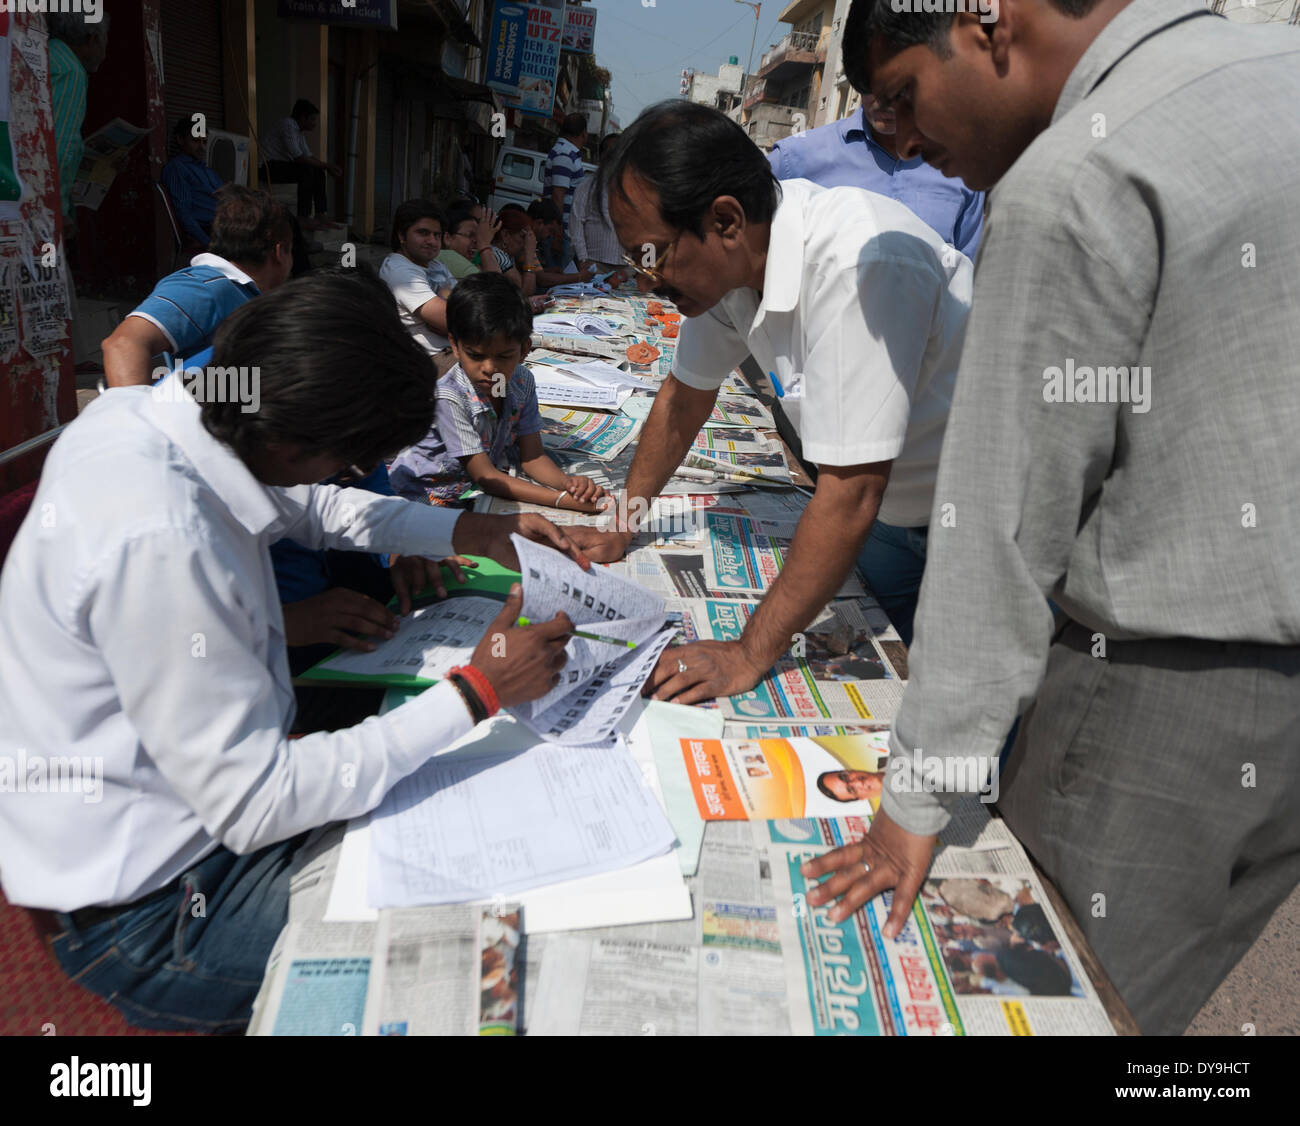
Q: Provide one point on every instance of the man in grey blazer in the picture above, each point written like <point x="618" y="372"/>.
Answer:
<point x="1123" y="441"/>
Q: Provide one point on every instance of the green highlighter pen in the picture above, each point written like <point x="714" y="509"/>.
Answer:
<point x="591" y="636"/>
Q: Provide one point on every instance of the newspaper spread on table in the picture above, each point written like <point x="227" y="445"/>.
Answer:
<point x="983" y="951"/>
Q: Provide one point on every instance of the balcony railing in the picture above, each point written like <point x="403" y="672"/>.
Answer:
<point x="798" y="46"/>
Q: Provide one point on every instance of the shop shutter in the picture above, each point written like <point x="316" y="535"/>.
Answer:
<point x="193" y="46"/>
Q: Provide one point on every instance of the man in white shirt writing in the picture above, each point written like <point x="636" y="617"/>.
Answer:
<point x="154" y="803"/>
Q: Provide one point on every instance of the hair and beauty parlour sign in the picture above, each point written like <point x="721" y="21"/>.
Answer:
<point x="579" y="30"/>
<point x="524" y="53"/>
<point x="380" y="14"/>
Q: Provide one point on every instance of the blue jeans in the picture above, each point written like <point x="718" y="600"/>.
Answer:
<point x="178" y="962"/>
<point x="893" y="562"/>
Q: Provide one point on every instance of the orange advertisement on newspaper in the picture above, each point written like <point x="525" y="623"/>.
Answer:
<point x="765" y="779"/>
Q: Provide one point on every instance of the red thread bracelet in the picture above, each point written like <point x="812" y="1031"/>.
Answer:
<point x="482" y="686"/>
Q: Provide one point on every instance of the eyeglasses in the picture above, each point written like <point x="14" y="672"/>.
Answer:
<point x="654" y="273"/>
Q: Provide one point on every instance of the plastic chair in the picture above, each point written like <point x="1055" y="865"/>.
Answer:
<point x="178" y="240"/>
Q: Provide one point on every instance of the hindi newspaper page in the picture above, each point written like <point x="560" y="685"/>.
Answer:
<point x="848" y="666"/>
<point x="980" y="954"/>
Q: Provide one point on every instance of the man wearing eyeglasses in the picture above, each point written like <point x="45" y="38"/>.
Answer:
<point x="855" y="305"/>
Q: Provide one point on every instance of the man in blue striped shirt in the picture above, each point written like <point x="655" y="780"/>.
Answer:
<point x="191" y="185"/>
<point x="564" y="171"/>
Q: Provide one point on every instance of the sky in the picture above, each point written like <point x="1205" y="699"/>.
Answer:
<point x="645" y="48"/>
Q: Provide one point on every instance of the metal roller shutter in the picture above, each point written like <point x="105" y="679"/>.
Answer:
<point x="192" y="45"/>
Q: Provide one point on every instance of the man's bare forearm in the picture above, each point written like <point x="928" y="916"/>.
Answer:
<point x="676" y="417"/>
<point x="826" y="545"/>
<point x="130" y="350"/>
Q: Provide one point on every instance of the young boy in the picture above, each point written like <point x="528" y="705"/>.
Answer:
<point x="487" y="420"/>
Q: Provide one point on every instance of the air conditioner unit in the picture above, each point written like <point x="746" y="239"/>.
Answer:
<point x="228" y="156"/>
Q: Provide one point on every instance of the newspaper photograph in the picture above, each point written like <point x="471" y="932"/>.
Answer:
<point x="766" y="779"/>
<point x="993" y="964"/>
<point x="733" y="441"/>
<point x="746" y="555"/>
<point x="602" y="436"/>
<point x="447" y="971"/>
<point x="766" y="465"/>
<point x="687" y="573"/>
<point x="743" y="412"/>
<point x="836" y="669"/>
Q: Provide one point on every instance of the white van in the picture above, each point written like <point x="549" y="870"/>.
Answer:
<point x="519" y="176"/>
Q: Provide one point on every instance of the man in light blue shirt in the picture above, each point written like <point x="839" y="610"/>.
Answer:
<point x="859" y="152"/>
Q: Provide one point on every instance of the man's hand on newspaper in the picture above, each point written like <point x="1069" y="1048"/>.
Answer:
<point x="893" y="858"/>
<point x="687" y="674"/>
<point x="599" y="546"/>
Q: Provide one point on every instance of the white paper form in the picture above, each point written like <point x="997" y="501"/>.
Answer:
<point x="592" y="712"/>
<point x="555" y="389"/>
<point x="553" y="583"/>
<point x="467" y="828"/>
<point x="601" y="679"/>
<point x="639" y="406"/>
<point x="649" y="892"/>
<point x="604" y="374"/>
<point x="428" y="643"/>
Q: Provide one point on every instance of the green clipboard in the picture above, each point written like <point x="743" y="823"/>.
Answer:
<point x="488" y="580"/>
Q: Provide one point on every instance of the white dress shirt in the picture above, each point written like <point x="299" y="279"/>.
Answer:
<point x="590" y="230"/>
<point x="140" y="630"/>
<point x="863" y="311"/>
<point x="285" y="142"/>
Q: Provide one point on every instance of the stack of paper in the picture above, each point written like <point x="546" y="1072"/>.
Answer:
<point x="557" y="388"/>
<point x="594" y="383"/>
<point x="572" y="324"/>
<point x="466" y="828"/>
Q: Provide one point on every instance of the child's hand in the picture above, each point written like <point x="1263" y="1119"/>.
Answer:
<point x="583" y="489"/>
